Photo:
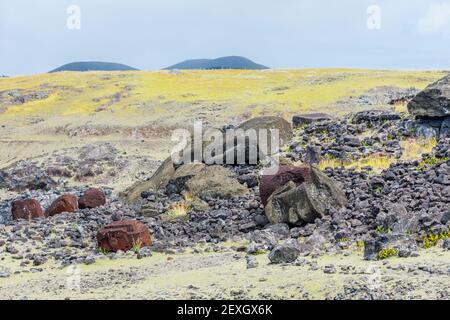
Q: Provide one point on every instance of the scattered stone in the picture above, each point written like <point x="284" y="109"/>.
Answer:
<point x="312" y="199"/>
<point x="26" y="209"/>
<point x="251" y="262"/>
<point x="92" y="198"/>
<point x="286" y="253"/>
<point x="64" y="203"/>
<point x="446" y="244"/>
<point x="11" y="249"/>
<point x="303" y="119"/>
<point x="433" y="101"/>
<point x="4" y="274"/>
<point x="124" y="235"/>
<point x="329" y="269"/>
<point x="89" y="260"/>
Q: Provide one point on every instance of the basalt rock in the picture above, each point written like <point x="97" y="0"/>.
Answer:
<point x="215" y="182"/>
<point x="384" y="246"/>
<point x="92" y="198"/>
<point x="124" y="235"/>
<point x="65" y="203"/>
<point x="271" y="181"/>
<point x="26" y="209"/>
<point x="284" y="253"/>
<point x="302" y="119"/>
<point x="431" y="107"/>
<point x="252" y="141"/>
<point x="433" y="101"/>
<point x="374" y="117"/>
<point x="304" y="199"/>
<point x="158" y="180"/>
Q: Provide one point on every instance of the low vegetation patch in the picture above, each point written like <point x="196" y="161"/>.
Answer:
<point x="430" y="162"/>
<point x="413" y="149"/>
<point x="387" y="253"/>
<point x="377" y="162"/>
<point x="176" y="211"/>
<point x="431" y="240"/>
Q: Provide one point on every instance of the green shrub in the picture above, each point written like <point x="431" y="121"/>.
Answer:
<point x="387" y="253"/>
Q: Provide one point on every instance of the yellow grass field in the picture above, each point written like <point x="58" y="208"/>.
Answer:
<point x="154" y="96"/>
<point x="137" y="110"/>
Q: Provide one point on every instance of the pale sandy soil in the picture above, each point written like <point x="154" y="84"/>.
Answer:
<point x="224" y="275"/>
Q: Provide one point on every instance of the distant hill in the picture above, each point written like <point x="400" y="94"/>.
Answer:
<point x="233" y="62"/>
<point x="93" y="66"/>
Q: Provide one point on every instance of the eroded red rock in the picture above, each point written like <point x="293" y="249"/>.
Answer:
<point x="65" y="203"/>
<point x="123" y="235"/>
<point x="26" y="209"/>
<point x="92" y="198"/>
<point x="272" y="181"/>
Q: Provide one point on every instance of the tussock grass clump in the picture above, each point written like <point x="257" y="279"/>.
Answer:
<point x="387" y="253"/>
<point x="377" y="162"/>
<point x="176" y="211"/>
<point x="431" y="240"/>
<point x="430" y="162"/>
<point x="413" y="148"/>
<point x="383" y="230"/>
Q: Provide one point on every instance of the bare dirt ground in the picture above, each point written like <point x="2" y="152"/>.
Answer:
<point x="223" y="275"/>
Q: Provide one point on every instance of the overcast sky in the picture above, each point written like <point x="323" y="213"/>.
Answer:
<point x="152" y="34"/>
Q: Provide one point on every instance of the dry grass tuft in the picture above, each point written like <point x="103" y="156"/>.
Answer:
<point x="377" y="162"/>
<point x="176" y="211"/>
<point x="413" y="148"/>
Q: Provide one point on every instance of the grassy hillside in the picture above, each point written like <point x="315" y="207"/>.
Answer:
<point x="233" y="62"/>
<point x="93" y="66"/>
<point x="159" y="96"/>
<point x="137" y="111"/>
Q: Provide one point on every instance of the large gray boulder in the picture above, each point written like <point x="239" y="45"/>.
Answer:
<point x="215" y="182"/>
<point x="304" y="119"/>
<point x="270" y="122"/>
<point x="284" y="253"/>
<point x="245" y="146"/>
<point x="298" y="202"/>
<point x="433" y="101"/>
<point x="158" y="181"/>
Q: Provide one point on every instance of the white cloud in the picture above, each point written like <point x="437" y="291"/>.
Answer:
<point x="436" y="21"/>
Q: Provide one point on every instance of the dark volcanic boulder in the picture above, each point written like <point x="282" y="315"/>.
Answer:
<point x="271" y="182"/>
<point x="26" y="209"/>
<point x="433" y="101"/>
<point x="124" y="235"/>
<point x="92" y="198"/>
<point x="302" y="119"/>
<point x="375" y="116"/>
<point x="306" y="197"/>
<point x="285" y="253"/>
<point x="65" y="203"/>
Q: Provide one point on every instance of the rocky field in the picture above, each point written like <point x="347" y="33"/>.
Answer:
<point x="359" y="209"/>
